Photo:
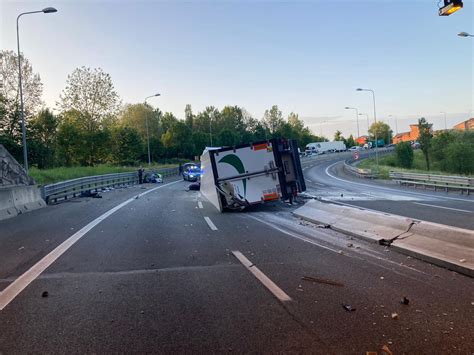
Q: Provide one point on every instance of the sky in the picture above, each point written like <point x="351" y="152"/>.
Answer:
<point x="306" y="57"/>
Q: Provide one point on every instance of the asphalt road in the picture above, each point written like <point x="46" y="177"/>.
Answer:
<point x="160" y="275"/>
<point x="325" y="178"/>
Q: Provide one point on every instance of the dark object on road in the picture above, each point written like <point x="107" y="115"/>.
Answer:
<point x="140" y="175"/>
<point x="348" y="307"/>
<point x="45" y="294"/>
<point x="88" y="193"/>
<point x="322" y="281"/>
<point x="195" y="187"/>
<point x="386" y="350"/>
<point x="404" y="301"/>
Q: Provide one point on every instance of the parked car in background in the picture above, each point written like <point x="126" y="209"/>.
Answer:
<point x="415" y="145"/>
<point x="354" y="148"/>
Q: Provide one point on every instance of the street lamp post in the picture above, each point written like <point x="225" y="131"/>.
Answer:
<point x="147" y="131"/>
<point x="375" y="119"/>
<point x="445" y="122"/>
<point x="357" y="117"/>
<point x="46" y="10"/>
<point x="396" y="123"/>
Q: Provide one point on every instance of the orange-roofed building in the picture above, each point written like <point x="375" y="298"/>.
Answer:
<point x="465" y="126"/>
<point x="362" y="140"/>
<point x="407" y="136"/>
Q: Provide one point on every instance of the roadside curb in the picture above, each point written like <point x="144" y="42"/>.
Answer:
<point x="445" y="246"/>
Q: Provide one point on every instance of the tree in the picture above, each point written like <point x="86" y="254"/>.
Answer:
<point x="424" y="138"/>
<point x="167" y="121"/>
<point x="42" y="139"/>
<point x="382" y="130"/>
<point x="460" y="157"/>
<point x="32" y="91"/>
<point x="338" y="136"/>
<point x="188" y="116"/>
<point x="92" y="93"/>
<point x="226" y="137"/>
<point x="178" y="141"/>
<point x="350" y="142"/>
<point x="136" y="116"/>
<point x="127" y="146"/>
<point x="273" y="119"/>
<point x="404" y="155"/>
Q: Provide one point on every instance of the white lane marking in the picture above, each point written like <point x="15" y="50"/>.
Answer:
<point x="308" y="180"/>
<point x="446" y="208"/>
<point x="269" y="284"/>
<point x="14" y="289"/>
<point x="300" y="237"/>
<point x="391" y="190"/>
<point x="210" y="224"/>
<point x="200" y="204"/>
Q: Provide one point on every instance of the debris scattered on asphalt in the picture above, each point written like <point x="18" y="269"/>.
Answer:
<point x="45" y="294"/>
<point x="386" y="350"/>
<point x="404" y="300"/>
<point x="173" y="210"/>
<point x="394" y="315"/>
<point x="350" y="245"/>
<point x="21" y="248"/>
<point x="418" y="311"/>
<point x="341" y="252"/>
<point x="89" y="193"/>
<point x="322" y="281"/>
<point x="462" y="260"/>
<point x="382" y="278"/>
<point x="142" y="312"/>
<point x="348" y="307"/>
<point x="194" y="187"/>
<point x="324" y="226"/>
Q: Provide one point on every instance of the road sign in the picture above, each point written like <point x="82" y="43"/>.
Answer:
<point x="356" y="155"/>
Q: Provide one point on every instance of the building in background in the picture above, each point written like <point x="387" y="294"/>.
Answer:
<point x="414" y="132"/>
<point x="465" y="126"/>
<point x="362" y="140"/>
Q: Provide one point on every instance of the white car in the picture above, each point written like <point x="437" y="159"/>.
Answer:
<point x="354" y="148"/>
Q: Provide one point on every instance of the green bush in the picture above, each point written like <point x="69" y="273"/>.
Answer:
<point x="460" y="158"/>
<point x="404" y="155"/>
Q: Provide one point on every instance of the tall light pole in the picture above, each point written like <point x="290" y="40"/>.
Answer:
<point x="445" y="122"/>
<point x="396" y="122"/>
<point x="147" y="131"/>
<point x="465" y="34"/>
<point x="375" y="119"/>
<point x="357" y="117"/>
<point x="321" y="128"/>
<point x="46" y="10"/>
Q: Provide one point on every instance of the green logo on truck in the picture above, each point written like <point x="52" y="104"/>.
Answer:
<point x="235" y="161"/>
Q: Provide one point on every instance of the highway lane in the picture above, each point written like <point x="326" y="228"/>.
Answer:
<point x="154" y="277"/>
<point x="326" y="179"/>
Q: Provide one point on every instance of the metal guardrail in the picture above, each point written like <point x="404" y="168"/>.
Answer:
<point x="73" y="188"/>
<point x="445" y="182"/>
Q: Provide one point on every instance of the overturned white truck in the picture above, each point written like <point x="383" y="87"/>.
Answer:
<point x="240" y="176"/>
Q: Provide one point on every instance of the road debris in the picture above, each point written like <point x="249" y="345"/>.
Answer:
<point x="45" y="294"/>
<point x="405" y="301"/>
<point x="462" y="260"/>
<point x="348" y="307"/>
<point x="21" y="248"/>
<point x="350" y="245"/>
<point x="382" y="278"/>
<point x="322" y="281"/>
<point x="386" y="350"/>
<point x="325" y="226"/>
<point x="394" y="315"/>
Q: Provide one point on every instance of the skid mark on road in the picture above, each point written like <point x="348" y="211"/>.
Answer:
<point x="269" y="284"/>
<point x="14" y="289"/>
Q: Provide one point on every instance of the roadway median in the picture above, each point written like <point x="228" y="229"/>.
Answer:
<point x="446" y="246"/>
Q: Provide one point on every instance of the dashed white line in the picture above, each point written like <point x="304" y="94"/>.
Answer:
<point x="200" y="204"/>
<point x="446" y="208"/>
<point x="14" y="289"/>
<point x="210" y="224"/>
<point x="269" y="284"/>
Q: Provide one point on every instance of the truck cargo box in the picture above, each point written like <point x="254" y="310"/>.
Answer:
<point x="236" y="177"/>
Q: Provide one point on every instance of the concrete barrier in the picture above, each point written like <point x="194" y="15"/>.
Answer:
<point x="446" y="246"/>
<point x="19" y="199"/>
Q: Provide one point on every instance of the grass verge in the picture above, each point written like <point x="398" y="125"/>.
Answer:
<point x="50" y="176"/>
<point x="388" y="163"/>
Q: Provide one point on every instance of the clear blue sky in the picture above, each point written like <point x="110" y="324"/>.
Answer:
<point x="304" y="56"/>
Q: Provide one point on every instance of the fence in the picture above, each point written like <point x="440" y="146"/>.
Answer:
<point x="73" y="188"/>
<point x="444" y="182"/>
